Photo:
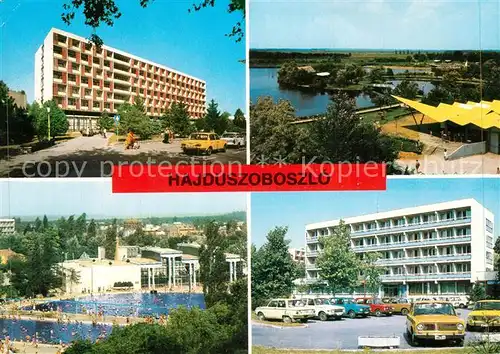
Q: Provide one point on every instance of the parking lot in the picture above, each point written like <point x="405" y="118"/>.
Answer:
<point x="341" y="334"/>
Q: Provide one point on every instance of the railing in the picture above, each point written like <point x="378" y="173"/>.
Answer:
<point x="433" y="276"/>
<point x="425" y="259"/>
<point x="468" y="150"/>
<point x="413" y="227"/>
<point x="416" y="243"/>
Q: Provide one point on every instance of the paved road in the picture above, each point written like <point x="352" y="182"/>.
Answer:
<point x="93" y="157"/>
<point x="333" y="334"/>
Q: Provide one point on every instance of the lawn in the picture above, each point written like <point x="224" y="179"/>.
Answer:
<point x="263" y="350"/>
<point x="390" y="115"/>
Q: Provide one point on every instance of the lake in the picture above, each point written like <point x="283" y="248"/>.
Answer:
<point x="264" y="82"/>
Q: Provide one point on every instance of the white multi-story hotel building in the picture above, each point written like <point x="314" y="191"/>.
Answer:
<point x="7" y="226"/>
<point x="432" y="249"/>
<point x="85" y="80"/>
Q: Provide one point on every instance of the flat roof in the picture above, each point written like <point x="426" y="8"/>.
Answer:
<point x="72" y="35"/>
<point x="161" y="250"/>
<point x="482" y="114"/>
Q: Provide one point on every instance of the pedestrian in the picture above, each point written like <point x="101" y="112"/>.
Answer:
<point x="104" y="133"/>
<point x="498" y="170"/>
<point x="445" y="154"/>
<point x="417" y="166"/>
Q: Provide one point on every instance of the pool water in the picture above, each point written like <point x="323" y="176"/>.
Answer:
<point x="51" y="332"/>
<point x="138" y="305"/>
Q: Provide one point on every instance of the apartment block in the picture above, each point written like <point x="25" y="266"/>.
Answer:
<point x="432" y="249"/>
<point x="297" y="254"/>
<point x="7" y="226"/>
<point x="86" y="80"/>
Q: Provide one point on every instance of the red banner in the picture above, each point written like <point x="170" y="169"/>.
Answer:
<point x="215" y="177"/>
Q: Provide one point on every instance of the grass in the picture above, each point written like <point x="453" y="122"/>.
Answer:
<point x="390" y="115"/>
<point x="264" y="350"/>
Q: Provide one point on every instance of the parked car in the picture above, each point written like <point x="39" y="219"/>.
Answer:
<point x="434" y="320"/>
<point x="458" y="301"/>
<point x="399" y="304"/>
<point x="236" y="140"/>
<point x="485" y="315"/>
<point x="325" y="310"/>
<point x="203" y="143"/>
<point x="351" y="308"/>
<point x="377" y="307"/>
<point x="287" y="310"/>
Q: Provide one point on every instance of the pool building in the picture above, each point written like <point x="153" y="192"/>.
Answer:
<point x="139" y="268"/>
<point x="431" y="249"/>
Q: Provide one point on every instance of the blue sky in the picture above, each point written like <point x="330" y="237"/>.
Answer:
<point x="375" y="24"/>
<point x="164" y="32"/>
<point x="65" y="197"/>
<point x="295" y="210"/>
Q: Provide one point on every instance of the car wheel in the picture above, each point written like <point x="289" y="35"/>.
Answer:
<point x="351" y="314"/>
<point x="404" y="312"/>
<point x="223" y="148"/>
<point x="378" y="313"/>
<point x="303" y="320"/>
<point x="461" y="306"/>
<point x="261" y="316"/>
<point x="209" y="151"/>
<point x="323" y="316"/>
<point x="287" y="319"/>
<point x="413" y="340"/>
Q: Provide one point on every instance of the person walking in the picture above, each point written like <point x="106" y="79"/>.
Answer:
<point x="445" y="154"/>
<point x="417" y="166"/>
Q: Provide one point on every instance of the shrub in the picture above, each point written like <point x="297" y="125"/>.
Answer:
<point x="123" y="284"/>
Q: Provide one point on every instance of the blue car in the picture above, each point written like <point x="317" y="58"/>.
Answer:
<point x="352" y="309"/>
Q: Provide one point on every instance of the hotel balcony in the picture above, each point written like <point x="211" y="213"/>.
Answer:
<point x="119" y="71"/>
<point x="75" y="94"/>
<point x="61" y="93"/>
<point x="413" y="244"/>
<point x="117" y="90"/>
<point x="71" y="106"/>
<point x="413" y="227"/>
<point x="121" y="81"/>
<point x="96" y="109"/>
<point x="58" y="80"/>
<point x="425" y="259"/>
<point x="311" y="267"/>
<point x="425" y="277"/>
<point x="98" y="98"/>
<point x="61" y="68"/>
<point x="117" y="100"/>
<point x="73" y="59"/>
<point x="312" y="253"/>
<point x="58" y="55"/>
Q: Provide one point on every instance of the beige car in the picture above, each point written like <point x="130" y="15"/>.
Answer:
<point x="286" y="310"/>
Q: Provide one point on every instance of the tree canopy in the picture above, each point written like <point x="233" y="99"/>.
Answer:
<point x="176" y="118"/>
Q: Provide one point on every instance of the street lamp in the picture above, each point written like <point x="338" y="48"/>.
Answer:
<point x="48" y="122"/>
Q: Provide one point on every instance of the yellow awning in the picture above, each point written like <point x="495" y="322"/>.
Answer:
<point x="482" y="114"/>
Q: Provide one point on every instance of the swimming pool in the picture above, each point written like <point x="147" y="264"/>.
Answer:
<point x="51" y="332"/>
<point x="139" y="304"/>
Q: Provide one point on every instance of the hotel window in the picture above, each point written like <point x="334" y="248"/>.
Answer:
<point x="385" y="240"/>
<point x="463" y="214"/>
<point x="398" y="238"/>
<point x="358" y="243"/>
<point x="399" y="271"/>
<point x="386" y="255"/>
<point x="75" y="66"/>
<point x="357" y="227"/>
<point x="399" y="222"/>
<point x="489" y="241"/>
<point x="447" y="268"/>
<point x="448" y="251"/>
<point x="371" y="226"/>
<point x="489" y="226"/>
<point x="371" y="241"/>
<point x="399" y="254"/>
<point x="463" y="231"/>
<point x="448" y="233"/>
<point x="414" y="220"/>
<point x="97" y="105"/>
<point x="71" y="101"/>
<point x="447" y="215"/>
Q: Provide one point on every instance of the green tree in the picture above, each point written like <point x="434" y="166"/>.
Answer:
<point x="272" y="136"/>
<point x="342" y="136"/>
<point x="372" y="272"/>
<point x="406" y="89"/>
<point x="492" y="84"/>
<point x="20" y="124"/>
<point x="58" y="121"/>
<point x="338" y="264"/>
<point x="477" y="292"/>
<point x="214" y="271"/>
<point x="110" y="240"/>
<point x="438" y="95"/>
<point x="240" y="120"/>
<point x="273" y="270"/>
<point x="376" y="75"/>
<point x="176" y="118"/>
<point x="389" y="72"/>
<point x="105" y="122"/>
<point x="133" y="119"/>
<point x="215" y="120"/>
<point x="140" y="238"/>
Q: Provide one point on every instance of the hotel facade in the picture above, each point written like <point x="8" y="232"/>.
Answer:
<point x="86" y="81"/>
<point x="435" y="249"/>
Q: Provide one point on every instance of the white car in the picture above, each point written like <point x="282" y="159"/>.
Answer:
<point x="286" y="310"/>
<point x="236" y="140"/>
<point x="458" y="301"/>
<point x="324" y="309"/>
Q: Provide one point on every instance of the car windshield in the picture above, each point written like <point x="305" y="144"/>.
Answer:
<point x="487" y="306"/>
<point x="322" y="302"/>
<point x="198" y="137"/>
<point x="296" y="303"/>
<point x="434" y="309"/>
<point x="229" y="135"/>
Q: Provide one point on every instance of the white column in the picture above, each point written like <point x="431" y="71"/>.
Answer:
<point x="149" y="278"/>
<point x="194" y="274"/>
<point x="153" y="271"/>
<point x="235" y="267"/>
<point x="173" y="269"/>
<point x="169" y="272"/>
<point x="230" y="271"/>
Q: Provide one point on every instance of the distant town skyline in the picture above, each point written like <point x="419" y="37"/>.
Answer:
<point x="31" y="198"/>
<point x="380" y="24"/>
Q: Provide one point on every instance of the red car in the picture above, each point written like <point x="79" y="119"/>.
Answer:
<point x="377" y="307"/>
